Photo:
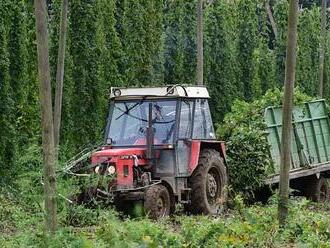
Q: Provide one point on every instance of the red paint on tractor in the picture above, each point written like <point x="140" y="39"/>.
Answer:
<point x="124" y="160"/>
<point x="197" y="145"/>
<point x="194" y="155"/>
<point x="117" y="152"/>
<point x="125" y="179"/>
<point x="223" y="150"/>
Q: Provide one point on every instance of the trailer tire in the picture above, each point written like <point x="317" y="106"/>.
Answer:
<point x="208" y="185"/>
<point x="317" y="190"/>
<point x="157" y="202"/>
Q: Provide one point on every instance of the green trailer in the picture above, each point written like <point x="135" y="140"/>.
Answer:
<point x="310" y="147"/>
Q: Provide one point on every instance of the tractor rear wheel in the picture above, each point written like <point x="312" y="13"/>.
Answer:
<point x="317" y="190"/>
<point x="208" y="184"/>
<point x="157" y="203"/>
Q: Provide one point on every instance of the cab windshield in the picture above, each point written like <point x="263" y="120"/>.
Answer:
<point x="129" y="122"/>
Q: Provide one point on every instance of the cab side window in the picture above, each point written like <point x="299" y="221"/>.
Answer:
<point x="203" y="126"/>
<point x="185" y="119"/>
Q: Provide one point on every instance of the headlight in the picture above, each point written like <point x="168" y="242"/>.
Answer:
<point x="111" y="170"/>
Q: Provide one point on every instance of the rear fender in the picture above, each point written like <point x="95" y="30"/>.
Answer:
<point x="198" y="145"/>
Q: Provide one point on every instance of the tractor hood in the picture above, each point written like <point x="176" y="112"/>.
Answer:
<point x="107" y="154"/>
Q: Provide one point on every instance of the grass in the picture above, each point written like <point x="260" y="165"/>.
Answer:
<point x="242" y="226"/>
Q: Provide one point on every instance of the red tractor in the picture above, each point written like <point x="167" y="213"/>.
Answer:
<point x="160" y="149"/>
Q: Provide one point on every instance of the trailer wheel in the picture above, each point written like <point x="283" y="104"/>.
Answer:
<point x="157" y="203"/>
<point x="208" y="185"/>
<point x="317" y="190"/>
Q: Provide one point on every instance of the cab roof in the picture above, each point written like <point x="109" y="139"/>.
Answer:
<point x="169" y="91"/>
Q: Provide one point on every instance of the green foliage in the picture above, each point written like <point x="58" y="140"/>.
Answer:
<point x="263" y="56"/>
<point x="79" y="216"/>
<point x="31" y="159"/>
<point x="111" y="43"/>
<point x="244" y="130"/>
<point x="327" y="68"/>
<point x="180" y="41"/>
<point x="7" y="130"/>
<point x="256" y="226"/>
<point x="136" y="42"/>
<point x="134" y="233"/>
<point x="221" y="54"/>
<point x="281" y="17"/>
<point x="141" y="27"/>
<point x="18" y="68"/>
<point x="86" y="89"/>
<point x="247" y="43"/>
<point x="308" y="47"/>
<point x="253" y="227"/>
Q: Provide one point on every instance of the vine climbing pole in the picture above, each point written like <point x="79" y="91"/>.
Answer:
<point x="200" y="62"/>
<point x="59" y="76"/>
<point x="271" y="18"/>
<point x="290" y="70"/>
<point x="46" y="115"/>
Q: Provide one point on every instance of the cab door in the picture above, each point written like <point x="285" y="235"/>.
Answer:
<point x="195" y="124"/>
<point x="184" y="137"/>
<point x="202" y="122"/>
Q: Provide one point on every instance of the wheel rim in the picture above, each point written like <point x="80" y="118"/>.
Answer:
<point x="161" y="208"/>
<point x="213" y="186"/>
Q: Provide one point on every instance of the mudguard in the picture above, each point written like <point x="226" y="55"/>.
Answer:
<point x="198" y="145"/>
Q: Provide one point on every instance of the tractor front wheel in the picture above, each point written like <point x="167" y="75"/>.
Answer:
<point x="208" y="184"/>
<point x="157" y="203"/>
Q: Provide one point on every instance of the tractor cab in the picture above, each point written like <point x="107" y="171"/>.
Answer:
<point x="154" y="142"/>
<point x="174" y="116"/>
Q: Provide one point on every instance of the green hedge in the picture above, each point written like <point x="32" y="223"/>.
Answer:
<point x="115" y="42"/>
<point x="244" y="130"/>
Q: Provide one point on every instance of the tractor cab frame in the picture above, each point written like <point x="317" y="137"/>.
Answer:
<point x="160" y="148"/>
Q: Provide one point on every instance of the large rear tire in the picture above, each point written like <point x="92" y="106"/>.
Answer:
<point x="208" y="185"/>
<point x="157" y="203"/>
<point x="317" y="190"/>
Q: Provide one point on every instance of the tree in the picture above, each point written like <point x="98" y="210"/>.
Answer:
<point x="307" y="68"/>
<point x="7" y="107"/>
<point x="86" y="88"/>
<point x="281" y="9"/>
<point x="199" y="69"/>
<point x="18" y="73"/>
<point x="180" y="41"/>
<point x="142" y="41"/>
<point x="322" y="46"/>
<point x="46" y="114"/>
<point x="110" y="53"/>
<point x="221" y="66"/>
<point x="287" y="112"/>
<point x="271" y="18"/>
<point x="247" y="43"/>
<point x="264" y="59"/>
<point x="59" y="76"/>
